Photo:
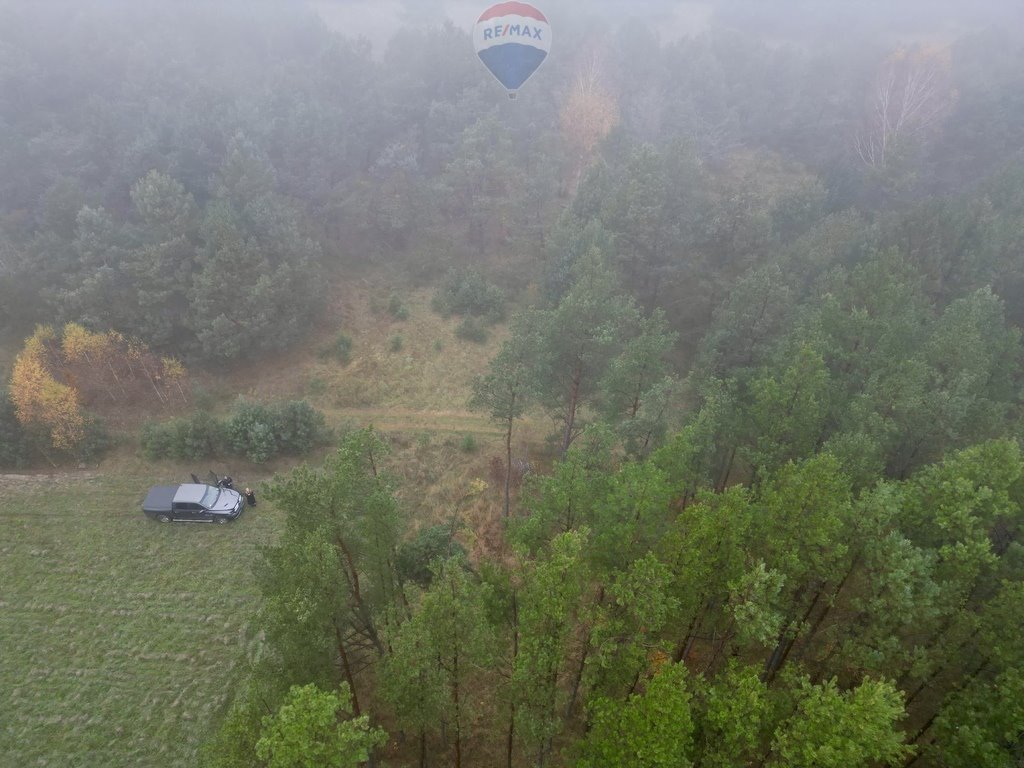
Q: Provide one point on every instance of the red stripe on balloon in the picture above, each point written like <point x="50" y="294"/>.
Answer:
<point x="512" y="9"/>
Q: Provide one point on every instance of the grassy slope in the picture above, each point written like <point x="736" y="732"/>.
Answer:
<point x="121" y="639"/>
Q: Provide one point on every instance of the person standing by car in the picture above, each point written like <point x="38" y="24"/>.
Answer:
<point x="250" y="497"/>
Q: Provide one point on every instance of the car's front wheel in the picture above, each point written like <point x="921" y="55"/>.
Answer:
<point x="163" y="518"/>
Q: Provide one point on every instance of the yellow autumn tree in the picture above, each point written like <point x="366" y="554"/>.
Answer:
<point x="40" y="401"/>
<point x="175" y="373"/>
<point x="56" y="374"/>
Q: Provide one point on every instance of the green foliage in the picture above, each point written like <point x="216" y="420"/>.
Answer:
<point x="653" y="730"/>
<point x="551" y="592"/>
<point x="262" y="432"/>
<point x="415" y="557"/>
<point x="397" y="308"/>
<point x="96" y="440"/>
<point x="250" y="431"/>
<point x="307" y="732"/>
<point x="627" y="625"/>
<point x="341" y="520"/>
<point x="339" y="349"/>
<point x="471" y="329"/>
<point x="734" y="710"/>
<point x="467" y="292"/>
<point x="255" y="431"/>
<point x="14" y="443"/>
<point x="835" y="729"/>
<point x="468" y="444"/>
<point x="438" y="651"/>
<point x="298" y="428"/>
<point x="234" y="743"/>
<point x="198" y="436"/>
<point x="574" y="344"/>
<point x="395" y="345"/>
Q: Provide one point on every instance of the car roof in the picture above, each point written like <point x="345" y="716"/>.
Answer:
<point x="190" y="493"/>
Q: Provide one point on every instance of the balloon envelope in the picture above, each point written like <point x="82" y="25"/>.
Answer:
<point x="512" y="40"/>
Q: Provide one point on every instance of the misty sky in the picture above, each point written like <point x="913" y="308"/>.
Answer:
<point x="906" y="20"/>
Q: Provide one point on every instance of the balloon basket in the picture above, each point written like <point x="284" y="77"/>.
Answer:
<point x="512" y="95"/>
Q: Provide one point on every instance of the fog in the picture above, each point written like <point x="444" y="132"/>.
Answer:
<point x="671" y="410"/>
<point x="785" y="20"/>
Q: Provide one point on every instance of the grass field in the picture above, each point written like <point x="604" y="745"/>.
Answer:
<point x="120" y="638"/>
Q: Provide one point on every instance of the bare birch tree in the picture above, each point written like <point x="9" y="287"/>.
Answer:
<point x="910" y="97"/>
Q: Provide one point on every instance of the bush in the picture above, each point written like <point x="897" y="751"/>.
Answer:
<point x="397" y="308"/>
<point x="155" y="440"/>
<point x="430" y="544"/>
<point x="95" y="440"/>
<point x="467" y="292"/>
<point x="199" y="436"/>
<point x="260" y="432"/>
<point x="396" y="343"/>
<point x="468" y="444"/>
<point x="15" y="449"/>
<point x="250" y="431"/>
<point x="315" y="386"/>
<point x="255" y="431"/>
<point x="473" y="330"/>
<point x="196" y="437"/>
<point x="299" y="428"/>
<point x="340" y="349"/>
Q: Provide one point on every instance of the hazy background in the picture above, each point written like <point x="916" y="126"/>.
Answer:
<point x="777" y="20"/>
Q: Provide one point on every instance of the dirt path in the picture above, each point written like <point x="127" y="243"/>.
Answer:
<point x="389" y="419"/>
<point x="51" y="479"/>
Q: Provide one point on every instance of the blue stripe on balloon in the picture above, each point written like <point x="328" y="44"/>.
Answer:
<point x="512" y="63"/>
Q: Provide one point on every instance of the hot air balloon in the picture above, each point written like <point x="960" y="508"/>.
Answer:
<point x="512" y="40"/>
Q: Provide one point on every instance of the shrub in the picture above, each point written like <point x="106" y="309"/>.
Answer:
<point x="315" y="386"/>
<point x="255" y="431"/>
<point x="468" y="444"/>
<point x="199" y="436"/>
<point x="196" y="437"/>
<point x="157" y="440"/>
<point x="14" y="443"/>
<point x="95" y="440"/>
<point x="397" y="308"/>
<point x="250" y="431"/>
<point x="299" y="427"/>
<point x="430" y="544"/>
<point x="467" y="292"/>
<point x="396" y="343"/>
<point x="260" y="444"/>
<point x="473" y="330"/>
<point x="339" y="349"/>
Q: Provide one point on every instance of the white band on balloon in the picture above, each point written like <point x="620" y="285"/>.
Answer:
<point x="512" y="29"/>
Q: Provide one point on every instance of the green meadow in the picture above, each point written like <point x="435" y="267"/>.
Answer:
<point x="120" y="638"/>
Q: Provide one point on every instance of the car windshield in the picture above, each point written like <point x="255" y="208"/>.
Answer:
<point x="210" y="497"/>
